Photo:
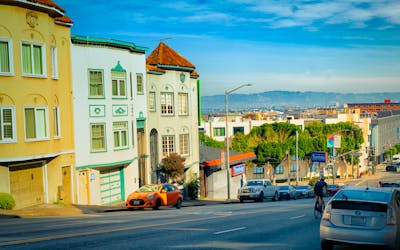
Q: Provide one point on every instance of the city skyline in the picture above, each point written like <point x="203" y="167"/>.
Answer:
<point x="333" y="46"/>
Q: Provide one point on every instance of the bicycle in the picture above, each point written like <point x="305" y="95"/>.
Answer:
<point x="319" y="209"/>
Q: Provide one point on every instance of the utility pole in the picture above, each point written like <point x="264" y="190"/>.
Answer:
<point x="297" y="157"/>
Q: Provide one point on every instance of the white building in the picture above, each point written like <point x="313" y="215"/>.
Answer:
<point x="172" y="92"/>
<point x="109" y="118"/>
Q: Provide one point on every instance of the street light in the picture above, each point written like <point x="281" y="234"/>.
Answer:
<point x="227" y="92"/>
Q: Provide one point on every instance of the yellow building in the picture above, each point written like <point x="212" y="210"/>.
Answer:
<point x="36" y="116"/>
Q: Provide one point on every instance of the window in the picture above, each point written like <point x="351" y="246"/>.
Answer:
<point x="238" y="130"/>
<point x="279" y="170"/>
<point x="152" y="101"/>
<point x="184" y="144"/>
<point x="36" y="123"/>
<point x="118" y="82"/>
<point x="167" y="144"/>
<point x="98" y="137"/>
<point x="7" y="124"/>
<point x="219" y="131"/>
<point x="33" y="59"/>
<point x="139" y="83"/>
<point x="54" y="62"/>
<point x="120" y="134"/>
<point x="96" y="86"/>
<point x="292" y="168"/>
<point x="167" y="103"/>
<point x="183" y="103"/>
<point x="258" y="172"/>
<point x="56" y="121"/>
<point x="6" y="63"/>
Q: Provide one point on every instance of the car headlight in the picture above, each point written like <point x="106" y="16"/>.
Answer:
<point x="150" y="196"/>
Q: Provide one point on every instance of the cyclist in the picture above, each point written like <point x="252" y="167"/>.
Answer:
<point x="319" y="191"/>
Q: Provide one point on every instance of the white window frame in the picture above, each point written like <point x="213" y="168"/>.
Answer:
<point x="43" y="52"/>
<point x="56" y="122"/>
<point x="167" y="104"/>
<point x="94" y="150"/>
<point x="10" y="57"/>
<point x="184" y="144"/>
<point x="14" y="135"/>
<point x="54" y="62"/>
<point x="140" y="86"/>
<point x="183" y="102"/>
<point x="118" y="79"/>
<point x="152" y="101"/>
<point x="102" y="83"/>
<point x="36" y="109"/>
<point x="120" y="135"/>
<point x="168" y="144"/>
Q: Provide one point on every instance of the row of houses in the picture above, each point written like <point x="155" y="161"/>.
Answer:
<point x="87" y="120"/>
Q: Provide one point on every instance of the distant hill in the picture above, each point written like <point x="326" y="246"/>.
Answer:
<point x="280" y="100"/>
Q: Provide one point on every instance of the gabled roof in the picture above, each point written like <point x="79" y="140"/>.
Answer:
<point x="165" y="57"/>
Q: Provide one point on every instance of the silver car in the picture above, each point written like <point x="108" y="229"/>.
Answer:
<point x="362" y="216"/>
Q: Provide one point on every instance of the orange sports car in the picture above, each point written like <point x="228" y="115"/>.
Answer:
<point x="154" y="196"/>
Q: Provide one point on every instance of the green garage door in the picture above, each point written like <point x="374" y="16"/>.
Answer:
<point x="111" y="185"/>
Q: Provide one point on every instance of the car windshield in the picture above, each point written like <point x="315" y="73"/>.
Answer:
<point x="302" y="187"/>
<point x="144" y="189"/>
<point x="254" y="183"/>
<point x="387" y="184"/>
<point x="363" y="195"/>
<point x="283" y="187"/>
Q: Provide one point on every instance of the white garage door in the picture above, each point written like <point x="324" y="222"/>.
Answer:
<point x="110" y="185"/>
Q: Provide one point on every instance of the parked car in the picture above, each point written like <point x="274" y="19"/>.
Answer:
<point x="332" y="189"/>
<point x="389" y="184"/>
<point x="287" y="192"/>
<point x="393" y="168"/>
<point x="154" y="196"/>
<point x="258" y="190"/>
<point x="305" y="191"/>
<point x="362" y="216"/>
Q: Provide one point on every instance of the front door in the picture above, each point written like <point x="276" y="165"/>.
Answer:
<point x="66" y="182"/>
<point x="154" y="155"/>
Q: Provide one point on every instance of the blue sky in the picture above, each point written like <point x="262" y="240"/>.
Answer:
<point x="290" y="45"/>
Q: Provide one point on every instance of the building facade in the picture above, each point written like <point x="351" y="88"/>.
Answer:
<point x="172" y="94"/>
<point x="110" y="118"/>
<point x="37" y="159"/>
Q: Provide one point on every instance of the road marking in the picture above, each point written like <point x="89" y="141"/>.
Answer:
<point x="297" y="217"/>
<point x="230" y="230"/>
<point x="184" y="229"/>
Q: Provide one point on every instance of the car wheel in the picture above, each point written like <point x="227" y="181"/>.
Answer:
<point x="326" y="245"/>
<point x="308" y="195"/>
<point x="178" y="204"/>
<point x="158" y="204"/>
<point x="288" y="197"/>
<point x="294" y="197"/>
<point x="241" y="200"/>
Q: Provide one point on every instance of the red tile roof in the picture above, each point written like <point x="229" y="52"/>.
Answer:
<point x="63" y="19"/>
<point x="194" y="74"/>
<point x="49" y="3"/>
<point x="164" y="55"/>
<point x="154" y="68"/>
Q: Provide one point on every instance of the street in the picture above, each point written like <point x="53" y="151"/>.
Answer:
<point x="268" y="225"/>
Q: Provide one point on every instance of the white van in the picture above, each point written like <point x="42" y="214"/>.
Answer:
<point x="396" y="158"/>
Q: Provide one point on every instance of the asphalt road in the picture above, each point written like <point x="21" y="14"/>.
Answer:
<point x="267" y="225"/>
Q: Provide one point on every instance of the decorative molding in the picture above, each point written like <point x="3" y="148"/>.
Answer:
<point x="97" y="110"/>
<point x="120" y="110"/>
<point x="32" y="19"/>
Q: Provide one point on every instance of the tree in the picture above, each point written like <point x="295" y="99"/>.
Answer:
<point x="173" y="166"/>
<point x="208" y="141"/>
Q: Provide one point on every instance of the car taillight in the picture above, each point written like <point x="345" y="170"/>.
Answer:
<point x="391" y="216"/>
<point x="327" y="213"/>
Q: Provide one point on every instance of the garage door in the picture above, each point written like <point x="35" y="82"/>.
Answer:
<point x="26" y="184"/>
<point x="110" y="185"/>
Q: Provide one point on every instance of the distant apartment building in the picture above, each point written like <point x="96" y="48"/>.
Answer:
<point x="373" y="108"/>
<point x="37" y="159"/>
<point x="110" y="111"/>
<point x="172" y="94"/>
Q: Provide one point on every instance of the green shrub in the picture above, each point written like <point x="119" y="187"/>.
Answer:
<point x="6" y="201"/>
<point x="193" y="187"/>
<point x="312" y="181"/>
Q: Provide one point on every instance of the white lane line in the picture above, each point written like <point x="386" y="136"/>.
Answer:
<point x="297" y="217"/>
<point x="230" y="230"/>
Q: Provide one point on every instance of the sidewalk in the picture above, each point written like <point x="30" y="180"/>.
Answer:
<point x="44" y="210"/>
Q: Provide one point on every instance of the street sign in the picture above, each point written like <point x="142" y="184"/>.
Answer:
<point x="319" y="156"/>
<point x="329" y="141"/>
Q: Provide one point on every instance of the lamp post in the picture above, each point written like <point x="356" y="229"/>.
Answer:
<point x="228" y="179"/>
